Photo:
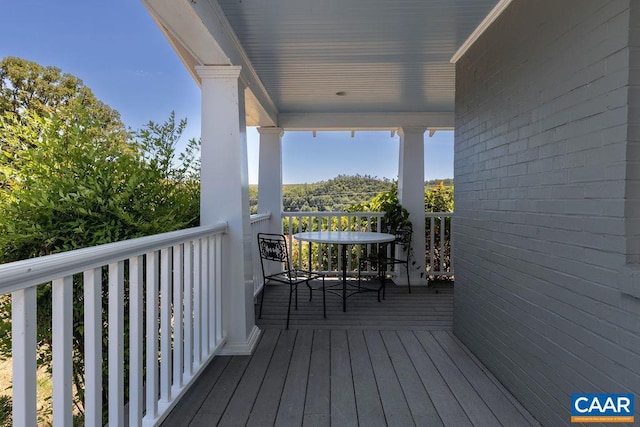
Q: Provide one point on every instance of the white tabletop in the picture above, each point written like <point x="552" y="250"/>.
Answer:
<point x="344" y="237"/>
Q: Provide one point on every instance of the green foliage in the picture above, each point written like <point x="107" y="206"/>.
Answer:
<point x="27" y="88"/>
<point x="439" y="198"/>
<point x="395" y="215"/>
<point x="70" y="178"/>
<point x="5" y="410"/>
<point x="334" y="195"/>
<point x="69" y="192"/>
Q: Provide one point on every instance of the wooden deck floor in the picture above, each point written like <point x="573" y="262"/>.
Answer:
<point x="394" y="363"/>
<point x="424" y="309"/>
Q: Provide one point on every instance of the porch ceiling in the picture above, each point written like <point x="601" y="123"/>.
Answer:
<point x="305" y="61"/>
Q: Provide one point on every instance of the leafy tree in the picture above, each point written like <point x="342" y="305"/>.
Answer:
<point x="439" y="198"/>
<point x="72" y="179"/>
<point x="29" y="90"/>
<point x="26" y="86"/>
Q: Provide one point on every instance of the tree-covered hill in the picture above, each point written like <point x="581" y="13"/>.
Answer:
<point x="332" y="195"/>
<point x="336" y="194"/>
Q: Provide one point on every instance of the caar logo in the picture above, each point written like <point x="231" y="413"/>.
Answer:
<point x="602" y="408"/>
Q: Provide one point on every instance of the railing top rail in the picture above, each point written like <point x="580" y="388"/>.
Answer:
<point x="259" y="217"/>
<point x="338" y="213"/>
<point x="22" y="274"/>
<point x="445" y="214"/>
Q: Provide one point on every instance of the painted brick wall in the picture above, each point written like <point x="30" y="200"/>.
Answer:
<point x="633" y="134"/>
<point x="542" y="106"/>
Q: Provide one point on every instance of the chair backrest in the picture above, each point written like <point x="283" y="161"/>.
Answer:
<point x="403" y="239"/>
<point x="273" y="247"/>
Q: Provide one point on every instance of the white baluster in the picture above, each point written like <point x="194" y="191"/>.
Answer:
<point x="165" y="325"/>
<point x="220" y="331"/>
<point x="188" y="309"/>
<point x="116" y="343"/>
<point x="197" y="304"/>
<point x="206" y="289"/>
<point x="62" y="328"/>
<point x="23" y="351"/>
<point x="152" y="337"/>
<point x="136" y="337"/>
<point x="93" y="347"/>
<point x="178" y="343"/>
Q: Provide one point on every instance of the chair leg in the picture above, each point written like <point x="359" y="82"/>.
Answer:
<point x="296" y="297"/>
<point x="324" y="300"/>
<point x="289" y="308"/>
<point x="310" y="290"/>
<point x="408" y="278"/>
<point x="384" y="286"/>
<point x="264" y="289"/>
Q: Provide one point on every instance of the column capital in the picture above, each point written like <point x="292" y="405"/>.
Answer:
<point x="270" y="130"/>
<point x="218" y="71"/>
<point x="412" y="129"/>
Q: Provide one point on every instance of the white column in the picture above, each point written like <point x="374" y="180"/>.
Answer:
<point x="411" y="195"/>
<point x="225" y="197"/>
<point x="270" y="176"/>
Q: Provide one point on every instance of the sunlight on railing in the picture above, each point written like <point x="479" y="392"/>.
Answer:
<point x="155" y="302"/>
<point x="438" y="251"/>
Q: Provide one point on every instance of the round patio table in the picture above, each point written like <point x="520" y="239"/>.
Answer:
<point x="344" y="239"/>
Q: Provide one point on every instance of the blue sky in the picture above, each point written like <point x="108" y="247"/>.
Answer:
<point x="118" y="51"/>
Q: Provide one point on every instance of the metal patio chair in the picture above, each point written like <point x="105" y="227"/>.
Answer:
<point x="400" y="254"/>
<point x="273" y="249"/>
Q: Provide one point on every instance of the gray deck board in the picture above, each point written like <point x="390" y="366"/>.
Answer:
<point x="422" y="409"/>
<point x="317" y="409"/>
<point x="378" y="364"/>
<point x="439" y="391"/>
<point x="188" y="408"/>
<point x="393" y="400"/>
<point x="490" y="393"/>
<point x="475" y="408"/>
<point x="265" y="408"/>
<point x="216" y="401"/>
<point x="368" y="402"/>
<point x="343" y="399"/>
<point x="291" y="409"/>
<point x="237" y="411"/>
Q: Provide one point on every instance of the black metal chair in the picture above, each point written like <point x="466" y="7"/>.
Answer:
<point x="273" y="249"/>
<point x="380" y="261"/>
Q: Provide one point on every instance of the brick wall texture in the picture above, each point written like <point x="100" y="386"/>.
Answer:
<point x="547" y="191"/>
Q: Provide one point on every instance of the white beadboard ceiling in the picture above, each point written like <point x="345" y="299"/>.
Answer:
<point x="384" y="56"/>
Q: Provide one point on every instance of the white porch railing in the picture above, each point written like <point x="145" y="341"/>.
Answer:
<point x="327" y="260"/>
<point x="259" y="224"/>
<point x="173" y="284"/>
<point x="438" y="251"/>
<point x="439" y="239"/>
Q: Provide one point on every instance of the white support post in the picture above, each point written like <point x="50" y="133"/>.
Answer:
<point x="225" y="197"/>
<point x="270" y="176"/>
<point x="411" y="196"/>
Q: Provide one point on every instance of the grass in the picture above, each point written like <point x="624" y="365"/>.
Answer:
<point x="44" y="389"/>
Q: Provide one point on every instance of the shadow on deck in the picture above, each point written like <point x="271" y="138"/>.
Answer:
<point x="395" y="363"/>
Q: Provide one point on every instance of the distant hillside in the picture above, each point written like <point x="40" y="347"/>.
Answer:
<point x="335" y="194"/>
<point x="447" y="182"/>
